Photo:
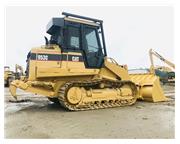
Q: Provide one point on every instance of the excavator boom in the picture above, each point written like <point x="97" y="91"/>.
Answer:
<point x="152" y="52"/>
<point x="166" y="74"/>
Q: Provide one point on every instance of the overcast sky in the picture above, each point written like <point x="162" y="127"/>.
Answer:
<point x="129" y="31"/>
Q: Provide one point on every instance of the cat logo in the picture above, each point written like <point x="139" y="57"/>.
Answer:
<point x="75" y="58"/>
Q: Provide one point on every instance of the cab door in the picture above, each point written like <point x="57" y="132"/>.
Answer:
<point x="94" y="57"/>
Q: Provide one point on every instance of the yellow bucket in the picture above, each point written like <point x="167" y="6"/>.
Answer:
<point x="149" y="88"/>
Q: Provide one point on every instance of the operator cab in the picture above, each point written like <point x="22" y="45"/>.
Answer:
<point x="75" y="33"/>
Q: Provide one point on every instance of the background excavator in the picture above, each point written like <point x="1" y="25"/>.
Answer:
<point x="166" y="73"/>
<point x="73" y="69"/>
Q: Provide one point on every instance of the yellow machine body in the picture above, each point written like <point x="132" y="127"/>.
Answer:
<point x="46" y="78"/>
<point x="64" y="77"/>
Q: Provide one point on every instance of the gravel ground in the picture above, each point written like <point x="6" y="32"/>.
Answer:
<point x="36" y="117"/>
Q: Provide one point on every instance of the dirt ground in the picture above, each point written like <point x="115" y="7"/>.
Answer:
<point x="38" y="118"/>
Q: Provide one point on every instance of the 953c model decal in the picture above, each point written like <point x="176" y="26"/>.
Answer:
<point x="56" y="57"/>
<point x="42" y="57"/>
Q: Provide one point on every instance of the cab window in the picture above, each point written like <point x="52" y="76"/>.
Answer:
<point x="73" y="41"/>
<point x="91" y="40"/>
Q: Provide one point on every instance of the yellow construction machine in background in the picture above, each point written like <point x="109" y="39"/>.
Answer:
<point x="18" y="72"/>
<point x="73" y="69"/>
<point x="8" y="76"/>
<point x="166" y="74"/>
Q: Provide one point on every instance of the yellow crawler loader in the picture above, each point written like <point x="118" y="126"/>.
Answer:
<point x="73" y="69"/>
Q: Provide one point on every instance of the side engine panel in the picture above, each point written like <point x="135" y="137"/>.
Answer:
<point x="53" y="62"/>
